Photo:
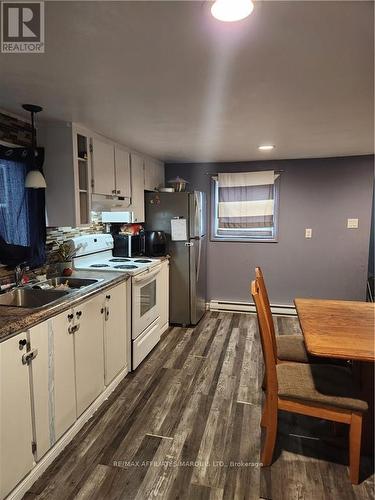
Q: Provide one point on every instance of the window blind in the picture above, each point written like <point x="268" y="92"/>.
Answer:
<point x="246" y="202"/>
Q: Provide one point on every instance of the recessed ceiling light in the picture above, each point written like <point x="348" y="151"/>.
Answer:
<point x="266" y="147"/>
<point x="231" y="10"/>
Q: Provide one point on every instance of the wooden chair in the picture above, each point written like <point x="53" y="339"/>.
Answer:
<point x="317" y="390"/>
<point x="285" y="347"/>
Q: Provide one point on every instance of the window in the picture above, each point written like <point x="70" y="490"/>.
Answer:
<point x="244" y="206"/>
<point x="14" y="223"/>
<point x="22" y="211"/>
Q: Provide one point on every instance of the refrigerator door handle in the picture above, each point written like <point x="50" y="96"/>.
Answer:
<point x="198" y="267"/>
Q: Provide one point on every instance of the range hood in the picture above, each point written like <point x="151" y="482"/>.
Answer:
<point x="120" y="217"/>
<point x="103" y="203"/>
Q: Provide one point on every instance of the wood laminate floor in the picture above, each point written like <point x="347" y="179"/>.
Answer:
<point x="186" y="425"/>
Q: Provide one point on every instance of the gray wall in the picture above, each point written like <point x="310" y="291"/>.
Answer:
<point x="314" y="193"/>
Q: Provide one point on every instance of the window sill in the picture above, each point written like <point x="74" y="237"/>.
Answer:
<point x="243" y="240"/>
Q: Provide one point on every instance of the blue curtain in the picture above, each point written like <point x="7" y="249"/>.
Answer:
<point x="22" y="211"/>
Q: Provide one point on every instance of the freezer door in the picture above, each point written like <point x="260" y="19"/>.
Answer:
<point x="198" y="250"/>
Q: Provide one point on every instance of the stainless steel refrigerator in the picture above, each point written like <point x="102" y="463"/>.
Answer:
<point x="187" y="248"/>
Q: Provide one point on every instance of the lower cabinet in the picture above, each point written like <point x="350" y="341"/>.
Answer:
<point x="88" y="348"/>
<point x="115" y="328"/>
<point x="16" y="457"/>
<point x="71" y="357"/>
<point x="53" y="381"/>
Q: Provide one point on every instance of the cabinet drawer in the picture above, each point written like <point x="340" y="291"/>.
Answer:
<point x="144" y="344"/>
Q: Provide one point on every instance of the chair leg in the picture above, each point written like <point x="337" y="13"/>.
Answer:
<point x="271" y="432"/>
<point x="263" y="421"/>
<point x="355" y="434"/>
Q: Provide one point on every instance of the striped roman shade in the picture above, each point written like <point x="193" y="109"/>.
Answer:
<point x="246" y="203"/>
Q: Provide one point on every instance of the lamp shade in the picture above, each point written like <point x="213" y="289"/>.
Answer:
<point x="35" y="180"/>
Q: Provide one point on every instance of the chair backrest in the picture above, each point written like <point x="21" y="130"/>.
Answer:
<point x="266" y="339"/>
<point x="265" y="299"/>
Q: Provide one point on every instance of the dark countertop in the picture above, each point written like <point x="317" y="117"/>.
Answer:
<point x="14" y="320"/>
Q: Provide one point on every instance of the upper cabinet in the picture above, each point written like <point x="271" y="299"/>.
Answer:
<point x="154" y="174"/>
<point x="67" y="168"/>
<point x="80" y="163"/>
<point x="103" y="166"/>
<point x="122" y="172"/>
<point x="138" y="193"/>
<point x="110" y="168"/>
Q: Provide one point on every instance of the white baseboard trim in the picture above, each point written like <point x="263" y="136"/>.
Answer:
<point x="248" y="308"/>
<point x="18" y="492"/>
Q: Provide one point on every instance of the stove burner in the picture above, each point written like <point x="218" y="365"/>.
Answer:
<point x="99" y="265"/>
<point x="120" y="260"/>
<point x="125" y="266"/>
<point x="143" y="261"/>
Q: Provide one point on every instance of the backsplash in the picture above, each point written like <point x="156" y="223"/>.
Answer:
<point x="57" y="235"/>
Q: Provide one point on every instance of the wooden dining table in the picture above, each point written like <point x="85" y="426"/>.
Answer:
<point x="344" y="330"/>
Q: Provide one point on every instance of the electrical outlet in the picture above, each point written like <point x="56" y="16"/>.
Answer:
<point x="308" y="233"/>
<point x="352" y="224"/>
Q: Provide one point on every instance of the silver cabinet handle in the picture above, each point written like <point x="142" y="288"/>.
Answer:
<point x="29" y="356"/>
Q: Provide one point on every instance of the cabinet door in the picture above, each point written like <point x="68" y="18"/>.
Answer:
<point x="53" y="383"/>
<point x="154" y="174"/>
<point x="122" y="171"/>
<point x="138" y="194"/>
<point x="103" y="165"/>
<point x="115" y="332"/>
<point x="163" y="292"/>
<point x="89" y="356"/>
<point x="16" y="458"/>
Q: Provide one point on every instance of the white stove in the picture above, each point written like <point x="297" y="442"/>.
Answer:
<point x="94" y="252"/>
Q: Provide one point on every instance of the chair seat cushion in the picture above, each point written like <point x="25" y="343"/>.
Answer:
<point x="291" y="348"/>
<point x="325" y="385"/>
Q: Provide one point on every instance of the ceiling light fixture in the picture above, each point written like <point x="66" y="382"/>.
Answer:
<point x="266" y="147"/>
<point x="231" y="10"/>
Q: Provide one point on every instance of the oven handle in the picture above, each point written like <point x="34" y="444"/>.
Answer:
<point x="146" y="276"/>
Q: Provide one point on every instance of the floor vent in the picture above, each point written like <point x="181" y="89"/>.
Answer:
<point x="245" y="307"/>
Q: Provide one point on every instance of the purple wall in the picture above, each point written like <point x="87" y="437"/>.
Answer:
<point x="314" y="193"/>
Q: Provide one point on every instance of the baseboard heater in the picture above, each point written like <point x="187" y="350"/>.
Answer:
<point x="245" y="307"/>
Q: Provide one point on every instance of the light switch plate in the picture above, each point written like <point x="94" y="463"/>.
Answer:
<point x="308" y="233"/>
<point x="352" y="224"/>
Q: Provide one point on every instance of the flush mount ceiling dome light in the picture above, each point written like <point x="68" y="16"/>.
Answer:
<point x="231" y="10"/>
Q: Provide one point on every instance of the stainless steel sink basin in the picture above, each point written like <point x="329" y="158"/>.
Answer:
<point x="27" y="297"/>
<point x="68" y="282"/>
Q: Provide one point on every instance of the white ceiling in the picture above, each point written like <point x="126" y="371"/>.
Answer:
<point x="168" y="80"/>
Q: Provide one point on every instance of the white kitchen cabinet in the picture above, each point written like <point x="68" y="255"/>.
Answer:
<point x="103" y="166"/>
<point x="67" y="169"/>
<point x="53" y="381"/>
<point x="163" y="290"/>
<point x="138" y="194"/>
<point x="122" y="172"/>
<point x="115" y="331"/>
<point x="16" y="457"/>
<point x="89" y="355"/>
<point x="154" y="174"/>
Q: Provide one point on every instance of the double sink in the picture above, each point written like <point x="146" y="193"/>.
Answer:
<point x="38" y="295"/>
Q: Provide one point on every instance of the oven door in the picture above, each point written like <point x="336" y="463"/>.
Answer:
<point x="145" y="305"/>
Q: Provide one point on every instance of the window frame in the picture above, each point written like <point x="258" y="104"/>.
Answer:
<point x="247" y="238"/>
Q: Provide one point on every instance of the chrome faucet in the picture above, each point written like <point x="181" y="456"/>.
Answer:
<point x="19" y="273"/>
